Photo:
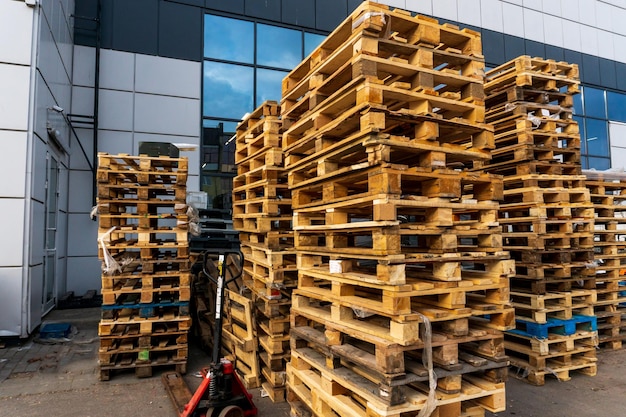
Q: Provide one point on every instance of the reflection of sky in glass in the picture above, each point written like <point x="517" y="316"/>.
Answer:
<point x="594" y="102"/>
<point x="268" y="85"/>
<point x="228" y="90"/>
<point x="278" y="47"/>
<point x="581" y="129"/>
<point x="599" y="163"/>
<point x="597" y="137"/>
<point x="312" y="41"/>
<point x="228" y="39"/>
<point x="616" y="103"/>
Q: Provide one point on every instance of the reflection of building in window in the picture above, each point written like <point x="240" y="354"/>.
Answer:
<point x="218" y="166"/>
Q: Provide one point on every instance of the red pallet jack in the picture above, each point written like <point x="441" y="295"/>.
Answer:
<point x="221" y="393"/>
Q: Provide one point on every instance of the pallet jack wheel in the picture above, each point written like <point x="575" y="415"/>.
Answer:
<point x="231" y="411"/>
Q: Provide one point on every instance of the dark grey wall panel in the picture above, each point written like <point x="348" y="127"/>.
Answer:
<point x="591" y="70"/>
<point x="493" y="47"/>
<point x="180" y="31"/>
<point x="573" y="57"/>
<point x="300" y="12"/>
<point x="620" y="71"/>
<point x="329" y="13"/>
<point x="554" y="52"/>
<point x="513" y="47"/>
<point x="535" y="49"/>
<point x="198" y="3"/>
<point x="608" y="76"/>
<point x="84" y="29"/>
<point x="231" y="6"/>
<point x="135" y="26"/>
<point x="263" y="9"/>
<point x="352" y="5"/>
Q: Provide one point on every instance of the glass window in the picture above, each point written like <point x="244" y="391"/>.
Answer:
<point x="596" y="137"/>
<point x="599" y="163"/>
<point x="312" y="41"/>
<point x="594" y="102"/>
<point x="578" y="104"/>
<point x="229" y="127"/>
<point x="269" y="85"/>
<point x="228" y="90"/>
<point x="228" y="39"/>
<point x="581" y="128"/>
<point x="616" y="104"/>
<point x="278" y="47"/>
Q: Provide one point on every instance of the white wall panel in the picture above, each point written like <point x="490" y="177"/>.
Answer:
<point x="617" y="135"/>
<point x="603" y="15"/>
<point x="83" y="236"/>
<point x="533" y="4"/>
<point x="513" y="19"/>
<point x="570" y="9"/>
<point x="588" y="40"/>
<point x="491" y="15"/>
<point x="172" y="77"/>
<point x="606" y="46"/>
<point x="115" y="110"/>
<point x="395" y="3"/>
<point x="35" y="274"/>
<point x="446" y="9"/>
<point x="618" y="21"/>
<point x="571" y="35"/>
<point x="469" y="11"/>
<point x="16" y="24"/>
<point x="11" y="301"/>
<point x="167" y="115"/>
<point x="83" y="273"/>
<point x="13" y="163"/>
<point x="587" y="9"/>
<point x="552" y="7"/>
<point x="533" y="25"/>
<point x="15" y="88"/>
<point x="553" y="30"/>
<point x="12" y="226"/>
<point x="117" y="70"/>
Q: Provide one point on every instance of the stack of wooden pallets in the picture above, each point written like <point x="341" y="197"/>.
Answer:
<point x="262" y="215"/>
<point x="608" y="194"/>
<point x="547" y="216"/>
<point x="390" y="230"/>
<point x="142" y="238"/>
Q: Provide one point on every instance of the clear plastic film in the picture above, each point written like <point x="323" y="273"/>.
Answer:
<point x="110" y="265"/>
<point x="365" y="16"/>
<point x="427" y="360"/>
<point x="94" y="212"/>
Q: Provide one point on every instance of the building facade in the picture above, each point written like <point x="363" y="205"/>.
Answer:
<point x="86" y="76"/>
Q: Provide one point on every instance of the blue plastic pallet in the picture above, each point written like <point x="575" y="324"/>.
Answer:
<point x="55" y="330"/>
<point x="556" y="326"/>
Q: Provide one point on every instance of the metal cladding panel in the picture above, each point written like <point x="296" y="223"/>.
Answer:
<point x="180" y="31"/>
<point x="11" y="302"/>
<point x="263" y="9"/>
<point x="330" y="13"/>
<point x="513" y="47"/>
<point x="493" y="47"/>
<point x="590" y="72"/>
<point x="135" y="26"/>
<point x="620" y="71"/>
<point x="198" y="3"/>
<point x="535" y="48"/>
<point x="608" y="75"/>
<point x="554" y="52"/>
<point x="231" y="6"/>
<point x="301" y="12"/>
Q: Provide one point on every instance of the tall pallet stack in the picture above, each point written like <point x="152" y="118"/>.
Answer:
<point x="547" y="216"/>
<point x="142" y="240"/>
<point x="262" y="215"/>
<point x="388" y="235"/>
<point x="608" y="194"/>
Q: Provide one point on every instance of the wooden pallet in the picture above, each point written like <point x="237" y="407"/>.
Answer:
<point x="515" y="93"/>
<point x="143" y="369"/>
<point x="141" y="348"/>
<point x="562" y="305"/>
<point x="127" y="190"/>
<point x="141" y="169"/>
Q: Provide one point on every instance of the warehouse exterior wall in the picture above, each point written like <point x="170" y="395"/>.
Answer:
<point x="142" y="98"/>
<point x="35" y="75"/>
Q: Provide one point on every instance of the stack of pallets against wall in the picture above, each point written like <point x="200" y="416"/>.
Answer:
<point x="142" y="240"/>
<point x="262" y="214"/>
<point x="547" y="216"/>
<point x="388" y="234"/>
<point x="608" y="194"/>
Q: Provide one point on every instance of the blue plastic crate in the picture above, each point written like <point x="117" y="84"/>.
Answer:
<point x="55" y="330"/>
